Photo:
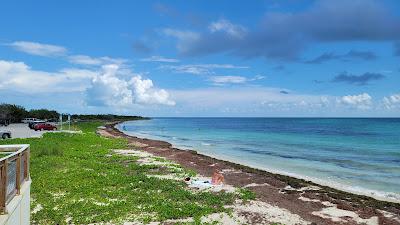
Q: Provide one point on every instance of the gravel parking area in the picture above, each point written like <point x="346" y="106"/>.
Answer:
<point x="21" y="130"/>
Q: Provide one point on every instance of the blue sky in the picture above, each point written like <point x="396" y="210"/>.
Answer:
<point x="202" y="58"/>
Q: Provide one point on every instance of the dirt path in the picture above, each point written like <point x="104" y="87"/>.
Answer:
<point x="313" y="203"/>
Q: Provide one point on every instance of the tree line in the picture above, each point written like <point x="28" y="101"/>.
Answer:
<point x="108" y="117"/>
<point x="16" y="113"/>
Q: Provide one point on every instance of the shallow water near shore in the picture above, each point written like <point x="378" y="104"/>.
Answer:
<point x="356" y="155"/>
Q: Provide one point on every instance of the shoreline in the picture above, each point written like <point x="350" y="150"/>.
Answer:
<point x="296" y="195"/>
<point x="378" y="195"/>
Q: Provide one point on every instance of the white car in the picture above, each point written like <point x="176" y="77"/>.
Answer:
<point x="28" y="120"/>
<point x="5" y="134"/>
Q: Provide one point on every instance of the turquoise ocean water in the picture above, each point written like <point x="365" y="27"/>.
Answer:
<point x="357" y="155"/>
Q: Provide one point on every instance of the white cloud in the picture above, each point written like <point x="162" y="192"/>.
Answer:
<point x="145" y="93"/>
<point x="362" y="101"/>
<point x="107" y="89"/>
<point x="220" y="80"/>
<point x="180" y="34"/>
<point x="233" y="30"/>
<point x="84" y="60"/>
<point x="19" y="77"/>
<point x="88" y="60"/>
<point x="35" y="48"/>
<point x="392" y="101"/>
<point x="159" y="59"/>
<point x="228" y="79"/>
<point x="198" y="69"/>
<point x="41" y="49"/>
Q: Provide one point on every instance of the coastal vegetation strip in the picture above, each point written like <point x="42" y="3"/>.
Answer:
<point x="78" y="178"/>
<point x="16" y="113"/>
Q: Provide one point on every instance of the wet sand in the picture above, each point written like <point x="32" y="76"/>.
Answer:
<point x="314" y="203"/>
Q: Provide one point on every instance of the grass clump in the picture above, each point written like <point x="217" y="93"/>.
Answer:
<point x="76" y="179"/>
<point x="246" y="195"/>
<point x="51" y="150"/>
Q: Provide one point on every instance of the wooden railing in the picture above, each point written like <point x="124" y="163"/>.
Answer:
<point x="14" y="171"/>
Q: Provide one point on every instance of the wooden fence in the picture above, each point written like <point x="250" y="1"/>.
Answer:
<point x="14" y="171"/>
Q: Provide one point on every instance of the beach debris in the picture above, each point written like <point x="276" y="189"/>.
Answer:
<point x="137" y="144"/>
<point x="104" y="133"/>
<point x="231" y="171"/>
<point x="256" y="185"/>
<point x="309" y="188"/>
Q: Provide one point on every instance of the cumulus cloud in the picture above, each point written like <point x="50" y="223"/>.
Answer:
<point x="35" y="48"/>
<point x="363" y="79"/>
<point x="361" y="101"/>
<point x="156" y="58"/>
<point x="108" y="89"/>
<point x="198" y="69"/>
<point x="352" y="54"/>
<point x="391" y="102"/>
<point x="284" y="36"/>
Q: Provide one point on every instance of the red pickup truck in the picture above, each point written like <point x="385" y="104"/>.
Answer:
<point x="44" y="126"/>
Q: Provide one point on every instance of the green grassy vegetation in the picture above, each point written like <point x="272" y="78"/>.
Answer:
<point x="77" y="179"/>
<point x="246" y="195"/>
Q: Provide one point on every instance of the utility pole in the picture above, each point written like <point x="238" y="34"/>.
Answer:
<point x="61" y="122"/>
<point x="69" y="121"/>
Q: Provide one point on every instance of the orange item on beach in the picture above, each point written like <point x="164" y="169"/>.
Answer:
<point x="217" y="178"/>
